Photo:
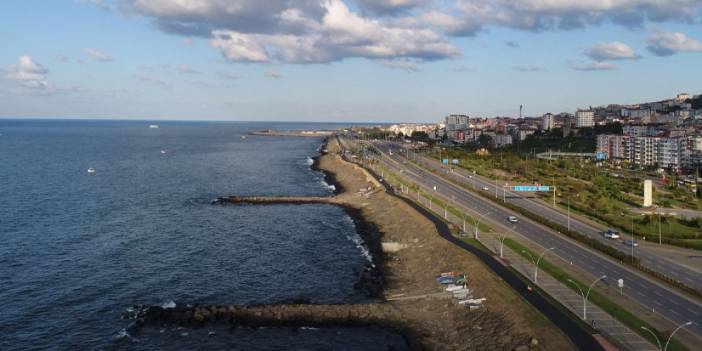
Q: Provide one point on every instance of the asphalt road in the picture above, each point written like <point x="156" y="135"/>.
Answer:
<point x="648" y="257"/>
<point x="670" y="304"/>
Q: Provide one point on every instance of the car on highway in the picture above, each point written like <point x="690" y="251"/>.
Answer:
<point x="611" y="234"/>
<point x="513" y="219"/>
<point x="631" y="243"/>
<point x="486" y="188"/>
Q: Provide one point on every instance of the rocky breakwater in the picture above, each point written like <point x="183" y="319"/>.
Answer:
<point x="427" y="318"/>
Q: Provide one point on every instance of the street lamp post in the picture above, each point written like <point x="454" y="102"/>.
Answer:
<point x="584" y="295"/>
<point x="464" y="223"/>
<point x="476" y="221"/>
<point x="661" y="347"/>
<point x="665" y="348"/>
<point x="568" y="213"/>
<point x="502" y="240"/>
<point x="537" y="261"/>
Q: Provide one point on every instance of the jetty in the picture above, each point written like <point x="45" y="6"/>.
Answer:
<point x="298" y="133"/>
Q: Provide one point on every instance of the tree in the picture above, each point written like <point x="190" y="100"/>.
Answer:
<point x="420" y="136"/>
<point x="484" y="140"/>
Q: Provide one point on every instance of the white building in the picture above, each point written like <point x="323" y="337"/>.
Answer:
<point x="682" y="97"/>
<point x="548" y="122"/>
<point x="502" y="140"/>
<point x="584" y="118"/>
<point x="457" y="122"/>
<point x="665" y="152"/>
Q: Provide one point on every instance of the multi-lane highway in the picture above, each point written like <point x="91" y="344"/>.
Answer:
<point x="670" y="304"/>
<point x="648" y="257"/>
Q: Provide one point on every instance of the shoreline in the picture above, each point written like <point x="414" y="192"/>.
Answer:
<point x="329" y="177"/>
<point x="425" y="317"/>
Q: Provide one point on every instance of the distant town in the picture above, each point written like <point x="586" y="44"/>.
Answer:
<point x="664" y="134"/>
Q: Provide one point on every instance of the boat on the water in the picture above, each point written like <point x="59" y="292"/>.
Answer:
<point x="163" y="151"/>
<point x="153" y="126"/>
<point x="91" y="170"/>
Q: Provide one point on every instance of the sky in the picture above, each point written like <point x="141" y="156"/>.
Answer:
<point x="341" y="60"/>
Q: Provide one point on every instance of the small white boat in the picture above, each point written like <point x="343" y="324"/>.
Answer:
<point x="243" y="136"/>
<point x="472" y="301"/>
<point x="454" y="287"/>
<point x="153" y="126"/>
<point x="163" y="151"/>
<point x="91" y="170"/>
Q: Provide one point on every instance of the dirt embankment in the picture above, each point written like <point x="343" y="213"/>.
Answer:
<point x="507" y="322"/>
<point x="411" y="304"/>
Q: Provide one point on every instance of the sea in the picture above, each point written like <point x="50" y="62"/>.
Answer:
<point x="78" y="248"/>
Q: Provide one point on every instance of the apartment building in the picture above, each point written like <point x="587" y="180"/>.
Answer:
<point x="584" y="118"/>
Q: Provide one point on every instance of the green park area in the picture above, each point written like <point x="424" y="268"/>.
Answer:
<point x="603" y="193"/>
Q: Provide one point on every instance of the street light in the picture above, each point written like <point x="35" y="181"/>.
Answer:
<point x="502" y="240"/>
<point x="536" y="262"/>
<point x="664" y="348"/>
<point x="585" y="296"/>
<point x="476" y="221"/>
<point x="660" y="347"/>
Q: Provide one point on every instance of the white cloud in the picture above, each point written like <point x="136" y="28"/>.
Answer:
<point x="185" y="69"/>
<point x="227" y="75"/>
<point x="390" y="7"/>
<point x="467" y="17"/>
<point x="339" y="34"/>
<point x="152" y="80"/>
<point x="404" y="65"/>
<point x="309" y="31"/>
<point x="97" y="55"/>
<point x="512" y="44"/>
<point x="101" y="4"/>
<point x="62" y="58"/>
<point x="29" y="74"/>
<point x="615" y="50"/>
<point x="528" y="68"/>
<point x="663" y="43"/>
<point x="593" y="66"/>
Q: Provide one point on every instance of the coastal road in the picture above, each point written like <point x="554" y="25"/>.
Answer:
<point x="647" y="256"/>
<point x="670" y="304"/>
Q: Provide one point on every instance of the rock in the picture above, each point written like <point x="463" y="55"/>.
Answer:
<point x="522" y="348"/>
<point x="534" y="342"/>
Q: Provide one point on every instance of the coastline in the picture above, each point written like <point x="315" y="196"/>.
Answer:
<point x="422" y="315"/>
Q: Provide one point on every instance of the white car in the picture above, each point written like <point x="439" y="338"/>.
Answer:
<point x="486" y="188"/>
<point x="513" y="219"/>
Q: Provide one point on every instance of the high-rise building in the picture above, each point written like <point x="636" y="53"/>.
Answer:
<point x="584" y="118"/>
<point x="665" y="152"/>
<point x="548" y="122"/>
<point x="457" y="122"/>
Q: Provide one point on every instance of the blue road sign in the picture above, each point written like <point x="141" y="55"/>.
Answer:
<point x="531" y="188"/>
<point x="445" y="161"/>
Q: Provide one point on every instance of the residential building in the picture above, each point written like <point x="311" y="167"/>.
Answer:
<point x="665" y="152"/>
<point x="584" y="118"/>
<point x="548" y="122"/>
<point x="457" y="122"/>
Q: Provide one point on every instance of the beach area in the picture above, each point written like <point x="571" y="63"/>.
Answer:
<point x="407" y="254"/>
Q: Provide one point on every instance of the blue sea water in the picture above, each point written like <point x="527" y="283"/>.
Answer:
<point x="76" y="249"/>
